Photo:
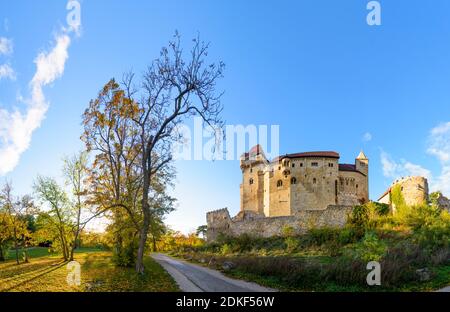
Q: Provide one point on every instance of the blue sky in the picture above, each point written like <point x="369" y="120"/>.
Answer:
<point x="315" y="68"/>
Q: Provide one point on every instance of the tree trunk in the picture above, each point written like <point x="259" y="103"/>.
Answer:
<point x="146" y="222"/>
<point x="74" y="245"/>
<point x="2" y="256"/>
<point x="142" y="240"/>
<point x="25" y="250"/>
<point x="154" y="243"/>
<point x="63" y="245"/>
<point x="16" y="246"/>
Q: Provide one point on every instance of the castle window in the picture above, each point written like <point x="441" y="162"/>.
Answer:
<point x="314" y="181"/>
<point x="279" y="183"/>
<point x="301" y="164"/>
<point x="251" y="181"/>
<point x="357" y="186"/>
<point x="314" y="164"/>
<point x="293" y="181"/>
<point x="330" y="165"/>
<point x="293" y="165"/>
<point x="279" y="168"/>
<point x="251" y="170"/>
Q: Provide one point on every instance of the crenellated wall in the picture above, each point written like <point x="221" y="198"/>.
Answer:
<point x="255" y="224"/>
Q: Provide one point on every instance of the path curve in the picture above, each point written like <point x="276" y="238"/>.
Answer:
<point x="195" y="278"/>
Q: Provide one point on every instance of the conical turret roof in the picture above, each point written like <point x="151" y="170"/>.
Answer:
<point x="361" y="155"/>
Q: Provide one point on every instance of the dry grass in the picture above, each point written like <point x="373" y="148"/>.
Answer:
<point x="49" y="273"/>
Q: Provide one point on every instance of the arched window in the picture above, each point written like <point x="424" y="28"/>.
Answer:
<point x="293" y="181"/>
<point x="279" y="183"/>
<point x="251" y="181"/>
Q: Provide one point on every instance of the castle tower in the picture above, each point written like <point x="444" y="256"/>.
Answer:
<point x="362" y="165"/>
<point x="253" y="165"/>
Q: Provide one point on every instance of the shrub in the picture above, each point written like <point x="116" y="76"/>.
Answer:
<point x="226" y="249"/>
<point x="348" y="235"/>
<point x="320" y="236"/>
<point x="288" y="231"/>
<point x="370" y="248"/>
<point x="292" y="244"/>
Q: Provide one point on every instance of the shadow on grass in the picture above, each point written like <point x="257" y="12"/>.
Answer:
<point x="42" y="272"/>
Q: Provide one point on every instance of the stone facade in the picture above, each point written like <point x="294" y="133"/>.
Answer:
<point x="302" y="181"/>
<point x="415" y="191"/>
<point x="249" y="222"/>
<point x="300" y="190"/>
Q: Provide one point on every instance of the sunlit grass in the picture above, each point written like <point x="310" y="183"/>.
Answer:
<point x="48" y="273"/>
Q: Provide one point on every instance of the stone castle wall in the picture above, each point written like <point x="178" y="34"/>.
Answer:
<point x="415" y="191"/>
<point x="291" y="184"/>
<point x="255" y="224"/>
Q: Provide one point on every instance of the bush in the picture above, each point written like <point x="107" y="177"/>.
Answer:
<point x="321" y="236"/>
<point x="370" y="248"/>
<point x="292" y="244"/>
<point x="226" y="249"/>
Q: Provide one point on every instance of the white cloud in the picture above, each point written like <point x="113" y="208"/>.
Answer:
<point x="438" y="146"/>
<point x="442" y="183"/>
<point x="393" y="169"/>
<point x="6" y="46"/>
<point x="367" y="137"/>
<point x="16" y="128"/>
<point x="439" y="142"/>
<point x="6" y="71"/>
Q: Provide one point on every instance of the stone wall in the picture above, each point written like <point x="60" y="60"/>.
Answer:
<point x="414" y="190"/>
<point x="219" y="221"/>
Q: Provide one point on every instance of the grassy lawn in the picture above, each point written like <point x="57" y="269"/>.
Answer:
<point x="48" y="273"/>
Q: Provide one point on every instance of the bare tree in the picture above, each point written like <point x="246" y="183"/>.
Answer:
<point x="76" y="172"/>
<point x="174" y="88"/>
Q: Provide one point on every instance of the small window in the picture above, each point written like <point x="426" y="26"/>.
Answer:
<point x="293" y="181"/>
<point x="293" y="165"/>
<point x="251" y="170"/>
<point x="331" y="165"/>
<point x="279" y="183"/>
<point x="314" y="164"/>
<point x="357" y="185"/>
<point x="251" y="181"/>
<point x="314" y="181"/>
<point x="301" y="164"/>
<point x="279" y="168"/>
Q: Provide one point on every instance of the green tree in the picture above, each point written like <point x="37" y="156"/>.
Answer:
<point x="202" y="230"/>
<point x="57" y="218"/>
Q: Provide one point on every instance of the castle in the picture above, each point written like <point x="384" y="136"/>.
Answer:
<point x="294" y="190"/>
<point x="305" y="190"/>
<point x="302" y="181"/>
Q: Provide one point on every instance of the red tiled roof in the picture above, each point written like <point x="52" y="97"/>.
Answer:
<point x="347" y="167"/>
<point x="325" y="154"/>
<point x="255" y="150"/>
